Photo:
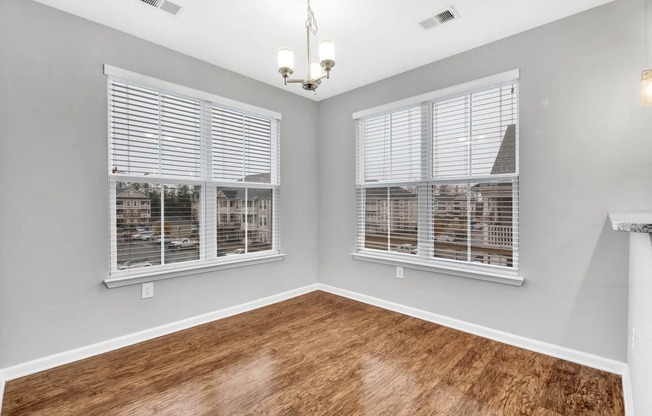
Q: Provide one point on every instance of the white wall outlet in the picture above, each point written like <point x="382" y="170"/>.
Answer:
<point x="633" y="342"/>
<point x="147" y="290"/>
<point x="399" y="272"/>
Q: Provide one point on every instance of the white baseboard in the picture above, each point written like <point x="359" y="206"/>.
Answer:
<point x="628" y="397"/>
<point x="66" y="357"/>
<point x="557" y="351"/>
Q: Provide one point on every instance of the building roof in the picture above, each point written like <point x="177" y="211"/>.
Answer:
<point x="239" y="193"/>
<point x="258" y="177"/>
<point x="130" y="193"/>
<point x="449" y="197"/>
<point x="396" y="192"/>
<point x="506" y="159"/>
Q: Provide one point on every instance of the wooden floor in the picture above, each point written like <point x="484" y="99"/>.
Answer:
<point x="318" y="354"/>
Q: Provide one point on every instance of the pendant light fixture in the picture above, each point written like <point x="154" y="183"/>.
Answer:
<point x="316" y="71"/>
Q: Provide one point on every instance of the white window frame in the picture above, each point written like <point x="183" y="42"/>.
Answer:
<point x="424" y="261"/>
<point x="209" y="206"/>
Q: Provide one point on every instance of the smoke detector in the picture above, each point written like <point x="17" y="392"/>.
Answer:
<point x="167" y="6"/>
<point x="443" y="16"/>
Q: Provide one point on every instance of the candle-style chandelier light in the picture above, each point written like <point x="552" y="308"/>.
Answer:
<point x="316" y="70"/>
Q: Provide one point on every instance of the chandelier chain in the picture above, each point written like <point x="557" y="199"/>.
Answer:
<point x="647" y="33"/>
<point x="312" y="22"/>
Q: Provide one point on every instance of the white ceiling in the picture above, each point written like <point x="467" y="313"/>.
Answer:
<point x="374" y="39"/>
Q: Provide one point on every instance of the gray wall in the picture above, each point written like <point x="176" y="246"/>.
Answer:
<point x="54" y="244"/>
<point x="583" y="152"/>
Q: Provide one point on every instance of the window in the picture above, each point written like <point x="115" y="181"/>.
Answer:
<point x="182" y="163"/>
<point x="437" y="180"/>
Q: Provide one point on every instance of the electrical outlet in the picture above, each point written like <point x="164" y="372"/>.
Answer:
<point x="399" y="272"/>
<point x="147" y="290"/>
<point x="633" y="342"/>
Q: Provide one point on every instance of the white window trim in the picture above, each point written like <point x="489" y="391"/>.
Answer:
<point x="462" y="270"/>
<point x="191" y="268"/>
<point x="444" y="266"/>
<point x="211" y="262"/>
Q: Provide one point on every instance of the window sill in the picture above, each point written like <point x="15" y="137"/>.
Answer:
<point x="134" y="279"/>
<point x="504" y="278"/>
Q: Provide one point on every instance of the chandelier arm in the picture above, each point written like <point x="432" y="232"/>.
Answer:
<point x="321" y="77"/>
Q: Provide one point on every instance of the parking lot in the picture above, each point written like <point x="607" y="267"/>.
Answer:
<point x="130" y="249"/>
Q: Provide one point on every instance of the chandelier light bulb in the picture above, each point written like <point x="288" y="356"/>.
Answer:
<point x="326" y="50"/>
<point x="285" y="59"/>
<point x="315" y="70"/>
<point x="646" y="87"/>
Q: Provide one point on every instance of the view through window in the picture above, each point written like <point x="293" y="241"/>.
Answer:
<point x="439" y="180"/>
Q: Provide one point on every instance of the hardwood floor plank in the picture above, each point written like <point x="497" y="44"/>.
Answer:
<point x="616" y="392"/>
<point x="561" y="387"/>
<point x="317" y="354"/>
<point x="540" y="411"/>
<point x="471" y="365"/>
<point x="492" y="388"/>
<point x="595" y="395"/>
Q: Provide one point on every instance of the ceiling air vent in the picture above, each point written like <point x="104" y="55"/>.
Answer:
<point x="167" y="6"/>
<point x="154" y="3"/>
<point x="438" y="18"/>
<point x="172" y="8"/>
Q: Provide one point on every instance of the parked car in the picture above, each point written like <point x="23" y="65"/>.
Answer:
<point x="134" y="264"/>
<point x="145" y="235"/>
<point x="158" y="239"/>
<point x="183" y="243"/>
<point x="129" y="233"/>
<point x="137" y="235"/>
<point x="407" y="248"/>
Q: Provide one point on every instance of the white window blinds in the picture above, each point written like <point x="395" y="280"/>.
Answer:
<point x="392" y="146"/>
<point x="241" y="146"/>
<point x="192" y="182"/>
<point x="468" y="132"/>
<point x="153" y="133"/>
<point x="438" y="180"/>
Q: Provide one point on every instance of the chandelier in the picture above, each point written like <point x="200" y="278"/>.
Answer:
<point x="316" y="71"/>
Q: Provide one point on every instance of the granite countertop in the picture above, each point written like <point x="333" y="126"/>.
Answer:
<point x="634" y="222"/>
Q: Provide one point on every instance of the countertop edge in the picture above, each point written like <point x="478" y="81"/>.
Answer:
<point x="633" y="222"/>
